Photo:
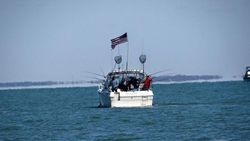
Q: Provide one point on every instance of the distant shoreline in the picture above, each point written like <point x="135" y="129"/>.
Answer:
<point x="183" y="78"/>
<point x="48" y="86"/>
<point x="96" y="85"/>
<point x="166" y="79"/>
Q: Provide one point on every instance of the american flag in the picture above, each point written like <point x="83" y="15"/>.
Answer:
<point x="119" y="40"/>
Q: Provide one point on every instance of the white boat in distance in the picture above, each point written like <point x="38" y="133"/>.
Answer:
<point x="128" y="87"/>
<point x="246" y="77"/>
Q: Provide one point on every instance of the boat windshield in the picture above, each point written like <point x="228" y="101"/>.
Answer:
<point x="125" y="80"/>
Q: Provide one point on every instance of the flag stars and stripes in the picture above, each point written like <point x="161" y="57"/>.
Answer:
<point x="119" y="40"/>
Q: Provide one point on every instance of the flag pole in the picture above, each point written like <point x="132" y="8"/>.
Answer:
<point x="127" y="56"/>
<point x="118" y="50"/>
<point x="119" y="55"/>
<point x="118" y="40"/>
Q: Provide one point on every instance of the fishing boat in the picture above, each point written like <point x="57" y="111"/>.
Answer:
<point x="126" y="87"/>
<point x="246" y="77"/>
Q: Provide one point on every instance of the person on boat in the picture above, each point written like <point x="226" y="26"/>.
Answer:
<point x="130" y="83"/>
<point x="122" y="86"/>
<point x="134" y="82"/>
<point x="147" y="83"/>
<point x="116" y="82"/>
<point x="112" y="83"/>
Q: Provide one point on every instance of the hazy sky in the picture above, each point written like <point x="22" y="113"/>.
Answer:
<point x="59" y="40"/>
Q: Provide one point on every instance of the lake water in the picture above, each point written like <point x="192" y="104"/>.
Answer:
<point x="212" y="111"/>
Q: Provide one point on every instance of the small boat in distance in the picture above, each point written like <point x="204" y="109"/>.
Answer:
<point x="246" y="77"/>
<point x="125" y="87"/>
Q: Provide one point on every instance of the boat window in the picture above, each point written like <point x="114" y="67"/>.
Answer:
<point x="125" y="80"/>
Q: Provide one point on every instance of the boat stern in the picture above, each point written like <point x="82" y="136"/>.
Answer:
<point x="131" y="98"/>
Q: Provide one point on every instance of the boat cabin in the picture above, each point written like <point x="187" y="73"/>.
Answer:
<point x="126" y="80"/>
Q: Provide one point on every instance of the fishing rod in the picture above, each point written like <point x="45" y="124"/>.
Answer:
<point x="95" y="78"/>
<point x="159" y="72"/>
<point x="103" y="74"/>
<point x="95" y="74"/>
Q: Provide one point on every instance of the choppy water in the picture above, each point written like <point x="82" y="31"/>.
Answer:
<point x="191" y="111"/>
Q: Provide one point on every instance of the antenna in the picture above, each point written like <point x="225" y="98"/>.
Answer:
<point x="143" y="59"/>
<point x="118" y="60"/>
<point x="142" y="49"/>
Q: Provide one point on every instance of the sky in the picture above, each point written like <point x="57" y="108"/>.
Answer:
<point x="59" y="40"/>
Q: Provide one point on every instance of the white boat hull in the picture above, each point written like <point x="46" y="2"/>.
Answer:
<point x="126" y="99"/>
